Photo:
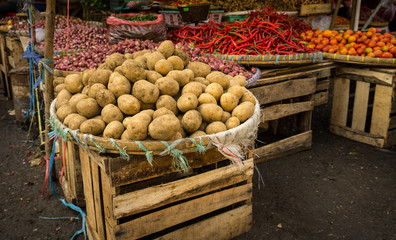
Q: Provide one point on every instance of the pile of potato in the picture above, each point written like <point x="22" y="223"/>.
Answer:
<point x="152" y="95"/>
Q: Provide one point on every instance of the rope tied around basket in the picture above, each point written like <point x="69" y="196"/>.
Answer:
<point x="179" y="161"/>
<point x="74" y="136"/>
<point x="123" y="154"/>
<point x="149" y="155"/>
<point x="199" y="147"/>
<point x="100" y="149"/>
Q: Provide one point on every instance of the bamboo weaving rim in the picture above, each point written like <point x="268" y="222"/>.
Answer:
<point x="386" y="62"/>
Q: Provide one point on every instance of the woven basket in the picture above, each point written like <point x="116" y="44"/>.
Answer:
<point x="378" y="62"/>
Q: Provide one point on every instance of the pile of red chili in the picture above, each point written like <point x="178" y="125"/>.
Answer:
<point x="263" y="32"/>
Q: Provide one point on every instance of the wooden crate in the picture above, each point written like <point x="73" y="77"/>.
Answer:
<point x="315" y="9"/>
<point x="133" y="200"/>
<point x="71" y="183"/>
<point x="323" y="79"/>
<point x="286" y="112"/>
<point x="364" y="105"/>
<point x="20" y="78"/>
<point x="4" y="68"/>
<point x="15" y="51"/>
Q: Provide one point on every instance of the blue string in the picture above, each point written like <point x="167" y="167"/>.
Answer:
<point x="276" y="60"/>
<point x="240" y="58"/>
<point x="284" y="56"/>
<point x="270" y="57"/>
<point x="75" y="208"/>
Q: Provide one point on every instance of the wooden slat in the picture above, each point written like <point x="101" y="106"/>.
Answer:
<point x="157" y="196"/>
<point x="385" y="70"/>
<point x="392" y="123"/>
<point x="339" y="111"/>
<point x="227" y="225"/>
<point x="393" y="110"/>
<point x="88" y="191"/>
<point x="358" y="136"/>
<point x="66" y="191"/>
<point x="360" y="105"/>
<point x="108" y="194"/>
<point x="304" y="120"/>
<point x="284" y="147"/>
<point x="92" y="235"/>
<point x="391" y="140"/>
<point x="321" y="98"/>
<point x="283" y="110"/>
<point x="381" y="110"/>
<point x="322" y="85"/>
<point x="284" y="90"/>
<point x="138" y="169"/>
<point x="166" y="218"/>
<point x="97" y="197"/>
<point x="326" y="73"/>
<point x="315" y="9"/>
<point x="70" y="161"/>
<point x="365" y="75"/>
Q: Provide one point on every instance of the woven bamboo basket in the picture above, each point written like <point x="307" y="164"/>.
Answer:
<point x="371" y="61"/>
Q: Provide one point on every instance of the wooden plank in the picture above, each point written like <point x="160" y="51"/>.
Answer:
<point x="304" y="119"/>
<point x="70" y="160"/>
<point x="284" y="90"/>
<point x="391" y="140"/>
<point x="227" y="225"/>
<point x="66" y="191"/>
<point x="4" y="66"/>
<point x="360" y="105"/>
<point x="315" y="9"/>
<point x="288" y="145"/>
<point x="381" y="110"/>
<point x="88" y="190"/>
<point x="166" y="218"/>
<point x="326" y="73"/>
<point x="157" y="196"/>
<point x="138" y="169"/>
<point x="92" y="235"/>
<point x="393" y="110"/>
<point x="108" y="194"/>
<point x="321" y="98"/>
<point x="283" y="110"/>
<point x="392" y="123"/>
<point x="385" y="70"/>
<point x="97" y="197"/>
<point x="358" y="136"/>
<point x="322" y="85"/>
<point x="361" y="74"/>
<point x="339" y="111"/>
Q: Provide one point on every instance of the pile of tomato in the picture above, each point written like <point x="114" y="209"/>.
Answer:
<point x="364" y="44"/>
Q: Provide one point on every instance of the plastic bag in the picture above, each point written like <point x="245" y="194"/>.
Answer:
<point x="120" y="29"/>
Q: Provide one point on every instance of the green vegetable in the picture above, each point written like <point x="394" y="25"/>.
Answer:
<point x="140" y="18"/>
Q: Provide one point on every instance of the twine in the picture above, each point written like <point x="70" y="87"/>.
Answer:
<point x="100" y="149"/>
<point x="74" y="135"/>
<point x="123" y="154"/>
<point x="179" y="161"/>
<point x="149" y="155"/>
<point x="199" y="147"/>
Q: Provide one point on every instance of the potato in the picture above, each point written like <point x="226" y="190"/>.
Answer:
<point x="133" y="70"/>
<point x="215" y="127"/>
<point x="236" y="90"/>
<point x="128" y="55"/>
<point x="192" y="87"/>
<point x="115" y="60"/>
<point x="140" y="53"/>
<point x="167" y="86"/>
<point x="128" y="104"/>
<point x="218" y="77"/>
<point x="234" y="83"/>
<point x="203" y="126"/>
<point x="92" y="126"/>
<point x="126" y="121"/>
<point x="232" y="122"/>
<point x="125" y="135"/>
<point x="119" y="70"/>
<point x="142" y="60"/>
<point x="191" y="121"/>
<point x="164" y="127"/>
<point x="180" y="76"/>
<point x="182" y="55"/>
<point x="119" y="85"/>
<point x="152" y="76"/>
<point x="64" y="111"/>
<point x="228" y="101"/>
<point x="229" y="77"/>
<point x="243" y="111"/>
<point x="93" y="90"/>
<point x="178" y="135"/>
<point x="85" y="90"/>
<point x="145" y="91"/>
<point x="182" y="132"/>
<point x="202" y="80"/>
<point x="200" y="69"/>
<point x="112" y="113"/>
<point x="210" y="112"/>
<point x="104" y="97"/>
<point x="88" y="108"/>
<point x="153" y="58"/>
<point x="168" y="102"/>
<point x="113" y="130"/>
<point x="98" y="117"/>
<point x="215" y="89"/>
<point x="60" y="87"/>
<point x="198" y="133"/>
<point x="74" y="83"/>
<point x="190" y="74"/>
<point x="206" y="98"/>
<point x="75" y="122"/>
<point x="203" y="87"/>
<point x="62" y="98"/>
<point x="240" y="79"/>
<point x="161" y="112"/>
<point x="100" y="76"/>
<point x="225" y="117"/>
<point x="104" y="66"/>
<point x="166" y="48"/>
<point x="86" y="75"/>
<point x="177" y="62"/>
<point x="146" y="106"/>
<point x="75" y="99"/>
<point x="138" y="126"/>
<point x="187" y="102"/>
<point x="163" y="67"/>
<point x="68" y="118"/>
<point x="57" y="81"/>
<point x="149" y="112"/>
<point x="248" y="97"/>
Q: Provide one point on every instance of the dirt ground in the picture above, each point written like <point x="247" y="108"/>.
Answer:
<point x="338" y="190"/>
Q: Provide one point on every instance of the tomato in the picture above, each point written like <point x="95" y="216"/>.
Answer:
<point x="385" y="49"/>
<point x="351" y="51"/>
<point x="319" y="46"/>
<point x="386" y="55"/>
<point x="360" y="51"/>
<point x="372" y="43"/>
<point x="325" y="41"/>
<point x="392" y="50"/>
<point x="351" y="39"/>
<point x="368" y="50"/>
<point x="360" y="40"/>
<point x="327" y="33"/>
<point x="333" y="42"/>
<point x="377" y="53"/>
<point x="380" y="44"/>
<point x="372" y="30"/>
<point x="343" y="51"/>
